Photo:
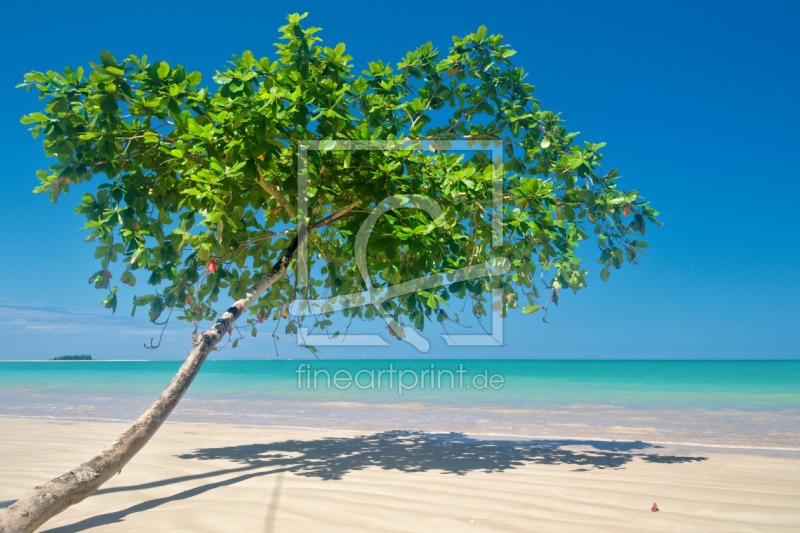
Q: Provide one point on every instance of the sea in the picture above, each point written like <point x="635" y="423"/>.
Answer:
<point x="735" y="404"/>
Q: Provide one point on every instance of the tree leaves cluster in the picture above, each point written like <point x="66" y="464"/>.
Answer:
<point x="191" y="174"/>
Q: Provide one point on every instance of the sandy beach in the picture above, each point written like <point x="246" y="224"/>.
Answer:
<point x="215" y="478"/>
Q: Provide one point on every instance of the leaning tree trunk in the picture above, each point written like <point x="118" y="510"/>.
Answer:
<point x="45" y="501"/>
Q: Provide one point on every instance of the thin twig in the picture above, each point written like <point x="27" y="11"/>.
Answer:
<point x="336" y="216"/>
<point x="272" y="191"/>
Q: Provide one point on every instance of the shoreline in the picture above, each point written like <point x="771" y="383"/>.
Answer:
<point x="198" y="477"/>
<point x="473" y="434"/>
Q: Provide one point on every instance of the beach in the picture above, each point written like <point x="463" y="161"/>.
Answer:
<point x="386" y="445"/>
<point x="197" y="477"/>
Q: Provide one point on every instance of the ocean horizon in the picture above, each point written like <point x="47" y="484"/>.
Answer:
<point x="737" y="403"/>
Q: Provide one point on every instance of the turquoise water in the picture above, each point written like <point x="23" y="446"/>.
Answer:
<point x="754" y="403"/>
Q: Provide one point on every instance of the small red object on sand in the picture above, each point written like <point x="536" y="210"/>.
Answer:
<point x="655" y="508"/>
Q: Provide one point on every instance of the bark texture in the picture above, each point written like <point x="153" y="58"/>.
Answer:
<point x="49" y="499"/>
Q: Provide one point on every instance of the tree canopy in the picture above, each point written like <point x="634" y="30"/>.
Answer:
<point x="202" y="189"/>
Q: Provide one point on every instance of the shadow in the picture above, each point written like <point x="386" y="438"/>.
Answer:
<point x="119" y="516"/>
<point x="332" y="458"/>
<point x="417" y="451"/>
<point x="272" y="510"/>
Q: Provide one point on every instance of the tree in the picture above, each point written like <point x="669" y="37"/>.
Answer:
<point x="200" y="192"/>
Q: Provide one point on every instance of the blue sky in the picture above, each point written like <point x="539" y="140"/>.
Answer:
<point x="697" y="102"/>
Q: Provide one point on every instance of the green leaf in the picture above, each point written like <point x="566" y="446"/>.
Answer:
<point x="247" y="59"/>
<point x="108" y="104"/>
<point x="194" y="78"/>
<point x="33" y="118"/>
<point x="163" y="70"/>
<point x="431" y="302"/>
<point x="128" y="278"/>
<point x="219" y="230"/>
<point x="107" y="59"/>
<point x="110" y="302"/>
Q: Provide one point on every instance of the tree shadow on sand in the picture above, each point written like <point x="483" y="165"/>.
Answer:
<point x="416" y="451"/>
<point x="405" y="451"/>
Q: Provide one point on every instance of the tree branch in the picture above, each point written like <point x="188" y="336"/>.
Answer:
<point x="323" y="222"/>
<point x="272" y="191"/>
<point x="337" y="215"/>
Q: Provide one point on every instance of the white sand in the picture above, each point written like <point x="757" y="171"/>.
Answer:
<point x="394" y="483"/>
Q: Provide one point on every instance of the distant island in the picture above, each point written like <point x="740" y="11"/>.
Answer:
<point x="73" y="358"/>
